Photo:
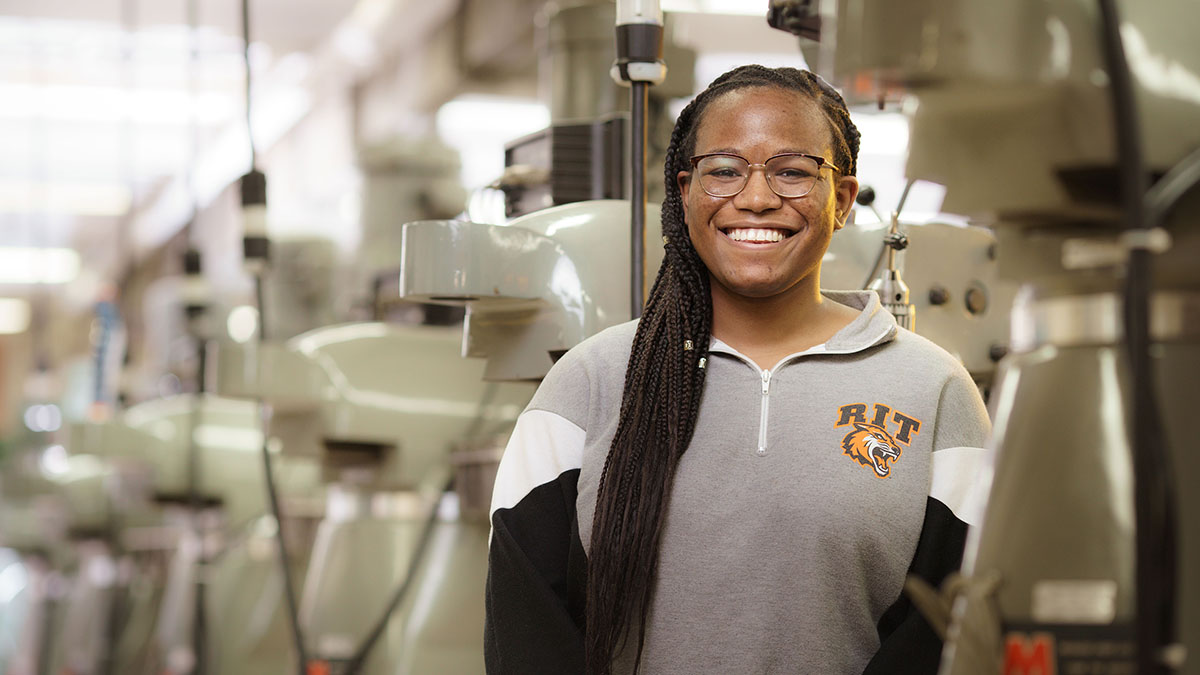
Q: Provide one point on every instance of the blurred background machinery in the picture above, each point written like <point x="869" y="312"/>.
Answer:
<point x="275" y="279"/>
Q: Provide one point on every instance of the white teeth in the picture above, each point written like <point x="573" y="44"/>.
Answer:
<point x="755" y="234"/>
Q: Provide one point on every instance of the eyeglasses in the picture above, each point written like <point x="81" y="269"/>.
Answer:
<point x="791" y="174"/>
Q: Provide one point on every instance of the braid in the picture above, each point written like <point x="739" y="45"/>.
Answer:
<point x="664" y="382"/>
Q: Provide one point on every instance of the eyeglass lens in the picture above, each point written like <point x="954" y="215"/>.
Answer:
<point x="787" y="175"/>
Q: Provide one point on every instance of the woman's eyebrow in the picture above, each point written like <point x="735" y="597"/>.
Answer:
<point x="783" y="151"/>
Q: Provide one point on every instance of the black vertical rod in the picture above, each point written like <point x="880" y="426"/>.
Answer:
<point x="637" y="197"/>
<point x="258" y="197"/>
<point x="246" y="63"/>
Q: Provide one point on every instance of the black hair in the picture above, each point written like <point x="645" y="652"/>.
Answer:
<point x="664" y="382"/>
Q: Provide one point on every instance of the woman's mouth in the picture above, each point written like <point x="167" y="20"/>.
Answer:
<point x="756" y="235"/>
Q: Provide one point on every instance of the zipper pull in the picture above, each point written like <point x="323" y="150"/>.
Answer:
<point x="766" y="378"/>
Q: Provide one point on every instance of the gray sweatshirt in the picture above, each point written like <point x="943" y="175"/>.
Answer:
<point x="808" y="493"/>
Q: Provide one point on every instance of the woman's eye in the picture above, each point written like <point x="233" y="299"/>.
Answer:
<point x="792" y="173"/>
<point x="724" y="173"/>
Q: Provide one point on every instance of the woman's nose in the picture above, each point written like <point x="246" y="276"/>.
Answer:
<point x="757" y="195"/>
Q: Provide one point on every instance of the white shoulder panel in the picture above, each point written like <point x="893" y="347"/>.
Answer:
<point x="959" y="482"/>
<point x="543" y="445"/>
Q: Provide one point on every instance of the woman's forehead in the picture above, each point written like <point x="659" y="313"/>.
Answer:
<point x="788" y="121"/>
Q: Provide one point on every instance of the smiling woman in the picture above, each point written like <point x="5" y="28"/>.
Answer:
<point x="684" y="493"/>
<point x="767" y="275"/>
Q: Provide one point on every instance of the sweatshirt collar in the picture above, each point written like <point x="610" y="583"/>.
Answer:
<point x="873" y="326"/>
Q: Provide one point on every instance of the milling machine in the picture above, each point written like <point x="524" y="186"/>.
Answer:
<point x="956" y="294"/>
<point x="34" y="576"/>
<point x="1082" y="562"/>
<point x="395" y="578"/>
<point x="197" y="456"/>
<point x="63" y="515"/>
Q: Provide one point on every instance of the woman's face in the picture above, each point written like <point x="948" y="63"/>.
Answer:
<point x="758" y="123"/>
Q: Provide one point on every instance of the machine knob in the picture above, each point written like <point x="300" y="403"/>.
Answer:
<point x="977" y="301"/>
<point x="939" y="295"/>
<point x="866" y="196"/>
<point x="997" y="352"/>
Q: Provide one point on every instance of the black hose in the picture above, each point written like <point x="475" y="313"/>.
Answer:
<point x="200" y="609"/>
<point x="356" y="663"/>
<point x="866" y="284"/>
<point x="1154" y="501"/>
<point x="889" y="241"/>
<point x="289" y="591"/>
<point x="638" y="92"/>
<point x="1166" y="193"/>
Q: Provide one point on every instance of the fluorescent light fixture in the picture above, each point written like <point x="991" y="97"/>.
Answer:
<point x="14" y="316"/>
<point x="93" y="103"/>
<point x="83" y="199"/>
<point x="28" y="265"/>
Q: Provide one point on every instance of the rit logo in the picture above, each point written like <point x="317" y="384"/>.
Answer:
<point x="857" y="413"/>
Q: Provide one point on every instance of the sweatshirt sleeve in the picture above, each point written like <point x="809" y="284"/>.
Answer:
<point x="536" y="563"/>
<point x="908" y="644"/>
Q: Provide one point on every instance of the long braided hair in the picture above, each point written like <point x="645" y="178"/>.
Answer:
<point x="664" y="382"/>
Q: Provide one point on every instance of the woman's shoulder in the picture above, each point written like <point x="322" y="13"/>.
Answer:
<point x="922" y="352"/>
<point x="603" y="350"/>
<point x="597" y="363"/>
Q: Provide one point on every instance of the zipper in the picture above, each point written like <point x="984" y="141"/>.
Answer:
<point x="762" y="419"/>
<point x="764" y="409"/>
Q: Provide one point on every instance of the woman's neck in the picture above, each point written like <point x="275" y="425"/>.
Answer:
<point x="768" y="329"/>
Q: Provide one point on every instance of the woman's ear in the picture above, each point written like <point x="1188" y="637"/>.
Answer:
<point x="682" y="180"/>
<point x="844" y="194"/>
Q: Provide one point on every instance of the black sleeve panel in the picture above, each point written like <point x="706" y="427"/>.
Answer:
<point x="908" y="644"/>
<point x="535" y="586"/>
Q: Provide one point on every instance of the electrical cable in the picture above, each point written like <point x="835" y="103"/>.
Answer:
<point x="1154" y="502"/>
<point x="883" y="248"/>
<point x="887" y="243"/>
<point x="289" y="591"/>
<point x="1166" y="193"/>
<point x="356" y="663"/>
<point x="200" y="609"/>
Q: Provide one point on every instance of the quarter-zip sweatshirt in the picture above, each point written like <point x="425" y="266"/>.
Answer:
<point x="809" y="492"/>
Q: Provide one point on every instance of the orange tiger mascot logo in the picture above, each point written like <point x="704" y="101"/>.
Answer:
<point x="872" y="446"/>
